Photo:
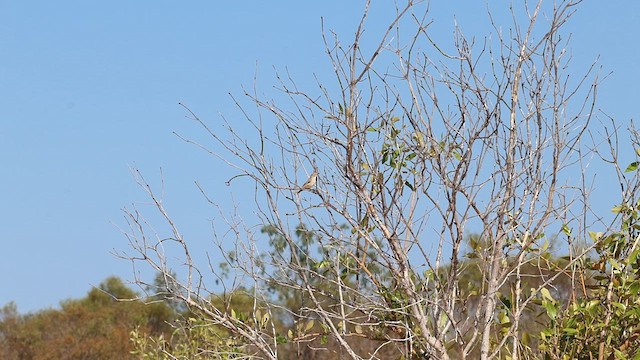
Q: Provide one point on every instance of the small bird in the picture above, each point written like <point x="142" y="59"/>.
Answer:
<point x="311" y="182"/>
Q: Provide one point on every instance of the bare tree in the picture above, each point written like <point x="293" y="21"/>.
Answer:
<point x="410" y="149"/>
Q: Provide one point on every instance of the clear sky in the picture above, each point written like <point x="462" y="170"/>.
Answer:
<point x="90" y="89"/>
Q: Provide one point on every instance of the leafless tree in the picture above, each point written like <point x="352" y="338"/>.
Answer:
<point x="415" y="146"/>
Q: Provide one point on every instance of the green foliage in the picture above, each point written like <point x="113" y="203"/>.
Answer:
<point x="284" y="318"/>
<point x="165" y="288"/>
<point x="399" y="150"/>
<point x="196" y="334"/>
<point x="192" y="338"/>
<point x="321" y="261"/>
<point x="604" y="324"/>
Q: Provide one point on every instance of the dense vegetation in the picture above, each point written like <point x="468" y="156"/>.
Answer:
<point x="115" y="322"/>
<point x="94" y="327"/>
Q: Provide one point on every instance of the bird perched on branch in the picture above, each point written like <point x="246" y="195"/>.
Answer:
<point x="311" y="182"/>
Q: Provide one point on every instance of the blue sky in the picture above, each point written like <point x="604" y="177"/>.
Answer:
<point x="90" y="89"/>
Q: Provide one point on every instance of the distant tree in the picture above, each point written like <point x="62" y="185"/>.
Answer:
<point x="161" y="290"/>
<point x="95" y="327"/>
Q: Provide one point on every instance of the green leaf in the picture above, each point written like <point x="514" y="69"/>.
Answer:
<point x="632" y="167"/>
<point x="566" y="230"/>
<point x="546" y="294"/>
<point x="545" y="246"/>
<point x="444" y="319"/>
<point x="264" y="321"/>
<point x="617" y="209"/>
<point x="406" y="183"/>
<point x="281" y="339"/>
<point x="620" y="306"/>
<point x="620" y="355"/>
<point x="595" y="236"/>
<point x="309" y="325"/>
<point x="592" y="304"/>
<point x="325" y="263"/>
<point x="615" y="265"/>
<point x="503" y="318"/>
<point x="551" y="308"/>
<point x="632" y="257"/>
